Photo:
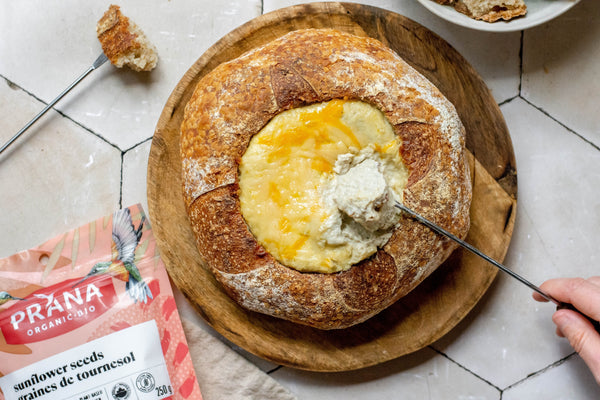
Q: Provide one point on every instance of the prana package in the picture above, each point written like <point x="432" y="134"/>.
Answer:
<point x="90" y="315"/>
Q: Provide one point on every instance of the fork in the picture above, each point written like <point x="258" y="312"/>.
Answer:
<point x="99" y="61"/>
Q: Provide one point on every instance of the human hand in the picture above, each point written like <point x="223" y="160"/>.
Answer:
<point x="584" y="295"/>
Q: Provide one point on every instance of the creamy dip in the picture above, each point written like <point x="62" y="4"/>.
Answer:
<point x="317" y="185"/>
<point x="359" y="201"/>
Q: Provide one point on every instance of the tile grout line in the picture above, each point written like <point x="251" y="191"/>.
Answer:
<point x="522" y="96"/>
<point x="547" y="114"/>
<point x="121" y="181"/>
<point x="466" y="369"/>
<point x="509" y="100"/>
<point x="277" y="368"/>
<point x="14" y="86"/>
<point x="541" y="371"/>
<point x="123" y="153"/>
<point x="88" y="130"/>
<point x="521" y="47"/>
<point x="149" y="139"/>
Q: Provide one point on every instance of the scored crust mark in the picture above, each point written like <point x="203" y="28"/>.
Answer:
<point x="236" y="100"/>
<point x="206" y="174"/>
<point x="218" y="129"/>
<point x="226" y="237"/>
<point x="290" y="88"/>
<point x="367" y="284"/>
<point x="415" y="151"/>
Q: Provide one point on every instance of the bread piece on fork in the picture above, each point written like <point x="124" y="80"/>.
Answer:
<point x="124" y="43"/>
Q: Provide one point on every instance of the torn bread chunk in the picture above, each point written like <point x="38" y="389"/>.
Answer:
<point x="491" y="10"/>
<point x="124" y="43"/>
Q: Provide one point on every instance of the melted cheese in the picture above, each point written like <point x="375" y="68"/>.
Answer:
<point x="286" y="173"/>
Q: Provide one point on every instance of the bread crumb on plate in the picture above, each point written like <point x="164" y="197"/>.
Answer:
<point x="124" y="43"/>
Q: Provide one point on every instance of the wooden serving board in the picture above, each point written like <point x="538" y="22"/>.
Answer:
<point x="436" y="305"/>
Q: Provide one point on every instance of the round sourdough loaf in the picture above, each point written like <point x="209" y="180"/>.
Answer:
<point x="238" y="98"/>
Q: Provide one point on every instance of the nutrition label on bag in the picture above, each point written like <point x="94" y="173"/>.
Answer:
<point x="127" y="364"/>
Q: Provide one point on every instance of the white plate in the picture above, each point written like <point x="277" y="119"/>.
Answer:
<point x="538" y="12"/>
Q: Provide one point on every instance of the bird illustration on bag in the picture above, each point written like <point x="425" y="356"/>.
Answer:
<point x="125" y="239"/>
<point x="6" y="297"/>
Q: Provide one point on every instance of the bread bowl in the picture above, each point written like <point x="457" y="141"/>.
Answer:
<point x="236" y="101"/>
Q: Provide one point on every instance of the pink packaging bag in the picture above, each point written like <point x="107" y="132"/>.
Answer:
<point x="90" y="315"/>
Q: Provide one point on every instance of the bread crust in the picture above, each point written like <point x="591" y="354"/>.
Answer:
<point x="123" y="42"/>
<point x="505" y="10"/>
<point x="235" y="100"/>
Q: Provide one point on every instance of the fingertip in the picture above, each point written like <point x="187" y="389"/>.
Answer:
<point x="560" y="322"/>
<point x="583" y="294"/>
<point x="562" y="318"/>
<point x="567" y="322"/>
<point x="549" y="283"/>
<point x="583" y="338"/>
<point x="538" y="297"/>
<point x="594" y="280"/>
<point x="578" y="330"/>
